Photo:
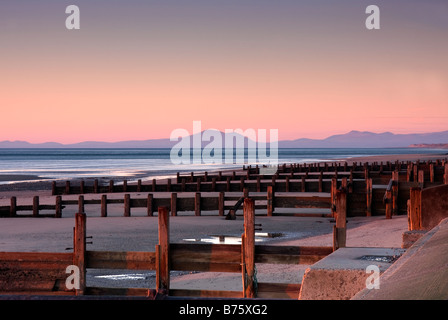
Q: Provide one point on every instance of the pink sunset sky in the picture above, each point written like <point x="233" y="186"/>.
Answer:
<point x="137" y="70"/>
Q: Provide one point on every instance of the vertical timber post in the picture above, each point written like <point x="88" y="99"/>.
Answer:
<point x="445" y="175"/>
<point x="221" y="204"/>
<point x="270" y="201"/>
<point x="35" y="206"/>
<point x="13" y="207"/>
<point x="162" y="252"/>
<point x="395" y="178"/>
<point x="340" y="230"/>
<point x="79" y="250"/>
<point x="58" y="207"/>
<point x="127" y="205"/>
<point x="81" y="204"/>
<point x="197" y="204"/>
<point x="149" y="205"/>
<point x="369" y="192"/>
<point x="414" y="212"/>
<point x="174" y="204"/>
<point x="249" y="249"/>
<point x="104" y="205"/>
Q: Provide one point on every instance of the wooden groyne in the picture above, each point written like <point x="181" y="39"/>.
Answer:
<point x="46" y="273"/>
<point x="372" y="189"/>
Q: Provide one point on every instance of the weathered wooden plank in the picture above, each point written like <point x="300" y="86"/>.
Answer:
<point x="132" y="260"/>
<point x="206" y="293"/>
<point x="99" y="291"/>
<point x="278" y="290"/>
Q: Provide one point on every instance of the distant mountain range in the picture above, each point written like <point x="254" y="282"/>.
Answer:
<point x="352" y="139"/>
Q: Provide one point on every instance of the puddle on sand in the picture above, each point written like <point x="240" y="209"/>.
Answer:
<point x="386" y="259"/>
<point x="232" y="239"/>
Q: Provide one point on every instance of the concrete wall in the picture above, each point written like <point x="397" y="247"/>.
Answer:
<point x="420" y="274"/>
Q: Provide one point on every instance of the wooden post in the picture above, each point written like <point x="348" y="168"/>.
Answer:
<point x="415" y="172"/>
<point x="168" y="185"/>
<point x="409" y="172"/>
<point x="81" y="204"/>
<point x="270" y="201"/>
<point x="154" y="182"/>
<point x="127" y="205"/>
<point x="177" y="177"/>
<point x="149" y="205"/>
<point x="258" y="184"/>
<point x="79" y="250"/>
<point x="287" y="184"/>
<point x="13" y="207"/>
<point x="249" y="249"/>
<point x="241" y="183"/>
<point x="58" y="207"/>
<point x="182" y="188"/>
<point x="334" y="187"/>
<point x="228" y="184"/>
<point x="341" y="219"/>
<point x="246" y="193"/>
<point x="431" y="172"/>
<point x="53" y="188"/>
<point x="125" y="185"/>
<point x="197" y="204"/>
<point x="67" y="187"/>
<point x="369" y="192"/>
<point x="395" y="178"/>
<point x="174" y="204"/>
<point x="198" y="184"/>
<point x="445" y="175"/>
<point x="95" y="186"/>
<point x="388" y="204"/>
<point x="35" y="206"/>
<point x="139" y="185"/>
<point x="213" y="184"/>
<point x="321" y="175"/>
<point x="111" y="186"/>
<point x="221" y="204"/>
<point x="303" y="184"/>
<point x="81" y="186"/>
<point x="104" y="205"/>
<point x="421" y="178"/>
<point x="162" y="252"/>
<point x="414" y="212"/>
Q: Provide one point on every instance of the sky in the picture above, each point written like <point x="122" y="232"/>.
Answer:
<point x="139" y="69"/>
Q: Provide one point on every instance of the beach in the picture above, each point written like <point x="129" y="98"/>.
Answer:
<point x="140" y="233"/>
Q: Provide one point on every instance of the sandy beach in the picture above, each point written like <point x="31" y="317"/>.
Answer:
<point x="139" y="233"/>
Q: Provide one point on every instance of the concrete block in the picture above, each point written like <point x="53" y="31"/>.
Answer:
<point x="410" y="237"/>
<point x="342" y="274"/>
<point x="420" y="274"/>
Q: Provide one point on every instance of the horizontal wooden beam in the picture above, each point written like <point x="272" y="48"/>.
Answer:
<point x="278" y="290"/>
<point x="100" y="291"/>
<point x="206" y="293"/>
<point x="131" y="260"/>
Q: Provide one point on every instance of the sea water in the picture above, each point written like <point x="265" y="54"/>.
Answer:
<point x="152" y="163"/>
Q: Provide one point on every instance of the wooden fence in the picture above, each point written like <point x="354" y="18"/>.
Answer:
<point x="288" y="178"/>
<point x="45" y="273"/>
<point x="373" y="191"/>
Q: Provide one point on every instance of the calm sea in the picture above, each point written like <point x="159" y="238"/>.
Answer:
<point x="150" y="163"/>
